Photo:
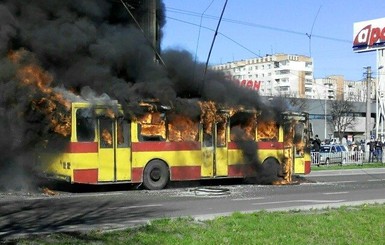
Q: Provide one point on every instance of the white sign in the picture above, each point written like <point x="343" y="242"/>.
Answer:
<point x="369" y="35"/>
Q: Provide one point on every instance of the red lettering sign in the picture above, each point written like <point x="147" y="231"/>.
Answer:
<point x="254" y="85"/>
<point x="369" y="37"/>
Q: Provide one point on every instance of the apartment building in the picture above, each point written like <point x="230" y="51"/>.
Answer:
<point x="273" y="75"/>
<point x="329" y="88"/>
<point x="356" y="91"/>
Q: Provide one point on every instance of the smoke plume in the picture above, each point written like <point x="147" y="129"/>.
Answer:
<point x="92" y="48"/>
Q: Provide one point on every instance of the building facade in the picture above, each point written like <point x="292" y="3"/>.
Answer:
<point x="273" y="75"/>
<point x="291" y="76"/>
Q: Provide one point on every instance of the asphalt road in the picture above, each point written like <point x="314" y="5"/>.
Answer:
<point x="116" y="207"/>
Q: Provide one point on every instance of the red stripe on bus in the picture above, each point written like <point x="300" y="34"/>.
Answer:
<point x="166" y="146"/>
<point x="82" y="147"/>
<point x="307" y="167"/>
<point x="260" y="145"/>
<point x="185" y="173"/>
<point x="137" y="175"/>
<point x="86" y="176"/>
<point x="241" y="170"/>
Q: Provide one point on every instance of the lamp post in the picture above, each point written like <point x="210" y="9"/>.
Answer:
<point x="378" y="110"/>
<point x="368" y="111"/>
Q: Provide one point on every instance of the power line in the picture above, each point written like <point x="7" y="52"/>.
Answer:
<point x="234" y="41"/>
<point x="250" y="24"/>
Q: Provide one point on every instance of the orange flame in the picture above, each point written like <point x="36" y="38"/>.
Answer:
<point x="32" y="75"/>
<point x="182" y="129"/>
<point x="152" y="125"/>
<point x="267" y="131"/>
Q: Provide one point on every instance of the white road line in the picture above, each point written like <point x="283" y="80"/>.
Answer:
<point x="341" y="182"/>
<point x="298" y="201"/>
<point x="375" y="180"/>
<point x="335" y="193"/>
<point x="138" y="206"/>
<point x="247" y="199"/>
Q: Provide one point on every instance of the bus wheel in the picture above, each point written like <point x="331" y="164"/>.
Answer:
<point x="272" y="169"/>
<point x="156" y="175"/>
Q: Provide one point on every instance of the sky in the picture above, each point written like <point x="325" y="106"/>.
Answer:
<point x="322" y="29"/>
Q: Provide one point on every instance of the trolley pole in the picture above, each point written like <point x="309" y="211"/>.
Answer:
<point x="368" y="109"/>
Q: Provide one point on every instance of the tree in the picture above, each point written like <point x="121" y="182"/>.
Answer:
<point x="341" y="117"/>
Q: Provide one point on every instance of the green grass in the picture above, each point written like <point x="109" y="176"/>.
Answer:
<point x="346" y="225"/>
<point x="347" y="166"/>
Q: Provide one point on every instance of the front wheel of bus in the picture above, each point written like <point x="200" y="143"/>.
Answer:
<point x="156" y="175"/>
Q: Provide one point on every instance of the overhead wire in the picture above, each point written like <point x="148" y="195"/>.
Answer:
<point x="199" y="32"/>
<point x="244" y="23"/>
<point x="311" y="30"/>
<point x="191" y="13"/>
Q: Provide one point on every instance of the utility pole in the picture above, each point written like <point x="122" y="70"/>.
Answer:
<point x="368" y="110"/>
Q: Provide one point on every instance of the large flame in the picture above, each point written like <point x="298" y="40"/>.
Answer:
<point x="182" y="128"/>
<point x="52" y="104"/>
<point x="267" y="131"/>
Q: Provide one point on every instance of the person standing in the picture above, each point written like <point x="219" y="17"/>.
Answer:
<point x="372" y="152"/>
<point x="316" y="146"/>
<point x="378" y="149"/>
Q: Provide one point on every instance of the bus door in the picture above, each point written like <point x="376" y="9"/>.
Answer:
<point x="300" y="146"/>
<point x="214" y="150"/>
<point x="114" y="151"/>
<point x="221" y="149"/>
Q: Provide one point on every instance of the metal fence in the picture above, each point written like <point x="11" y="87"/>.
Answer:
<point x="346" y="157"/>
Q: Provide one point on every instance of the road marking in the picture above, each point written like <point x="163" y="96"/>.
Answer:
<point x="141" y="206"/>
<point x="335" y="193"/>
<point x="247" y="199"/>
<point x="374" y="180"/>
<point x="296" y="201"/>
<point x="341" y="182"/>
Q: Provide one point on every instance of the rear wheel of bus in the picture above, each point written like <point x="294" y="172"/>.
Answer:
<point x="156" y="175"/>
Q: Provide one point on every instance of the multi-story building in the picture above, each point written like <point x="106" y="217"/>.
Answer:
<point x="355" y="91"/>
<point x="273" y="75"/>
<point x="292" y="76"/>
<point x="329" y="88"/>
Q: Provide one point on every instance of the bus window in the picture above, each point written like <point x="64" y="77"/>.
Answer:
<point x="105" y="130"/>
<point x="85" y="126"/>
<point x="152" y="127"/>
<point x="300" y="138"/>
<point x="267" y="131"/>
<point x="221" y="134"/>
<point x="243" y="126"/>
<point x="123" y="132"/>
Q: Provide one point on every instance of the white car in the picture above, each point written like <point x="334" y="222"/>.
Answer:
<point x="332" y="154"/>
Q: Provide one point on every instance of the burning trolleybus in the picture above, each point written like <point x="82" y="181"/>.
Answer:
<point x="159" y="146"/>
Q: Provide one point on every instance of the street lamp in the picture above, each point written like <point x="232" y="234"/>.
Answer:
<point x="378" y="111"/>
<point x="368" y="111"/>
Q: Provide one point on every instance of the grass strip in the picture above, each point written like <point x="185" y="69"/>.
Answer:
<point x="363" y="224"/>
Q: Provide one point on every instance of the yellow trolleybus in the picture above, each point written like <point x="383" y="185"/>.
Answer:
<point x="159" y="146"/>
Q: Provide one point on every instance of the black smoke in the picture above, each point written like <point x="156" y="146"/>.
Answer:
<point x="94" y="45"/>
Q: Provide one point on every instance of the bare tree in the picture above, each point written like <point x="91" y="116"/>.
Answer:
<point x="299" y="104"/>
<point x="341" y="117"/>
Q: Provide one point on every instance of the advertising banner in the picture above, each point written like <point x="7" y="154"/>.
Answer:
<point x="369" y="35"/>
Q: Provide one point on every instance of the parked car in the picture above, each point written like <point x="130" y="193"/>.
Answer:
<point x="332" y="154"/>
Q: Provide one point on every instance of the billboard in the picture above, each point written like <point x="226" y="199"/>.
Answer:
<point x="250" y="84"/>
<point x="369" y="35"/>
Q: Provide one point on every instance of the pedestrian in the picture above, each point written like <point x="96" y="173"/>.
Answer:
<point x="378" y="149"/>
<point x="316" y="147"/>
<point x="372" y="152"/>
